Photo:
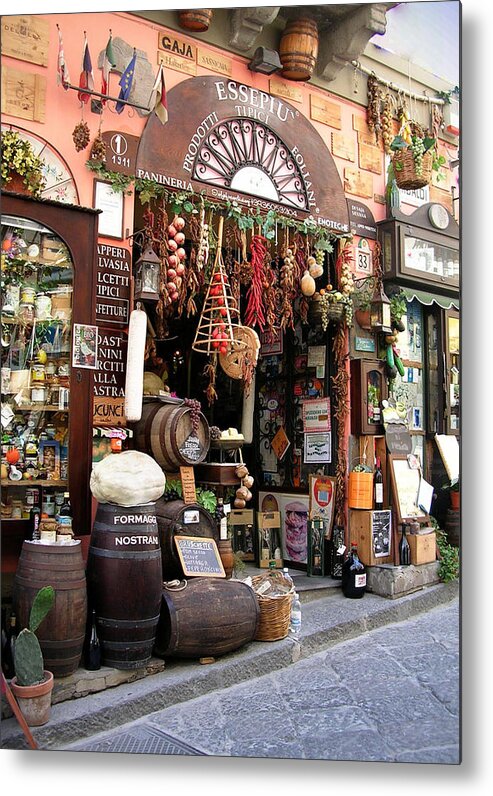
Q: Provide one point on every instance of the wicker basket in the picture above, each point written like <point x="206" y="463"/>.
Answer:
<point x="275" y="612"/>
<point x="405" y="170"/>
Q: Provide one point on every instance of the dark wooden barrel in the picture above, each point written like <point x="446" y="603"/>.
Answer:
<point x="452" y="527"/>
<point x="298" y="49"/>
<point x="209" y="617"/>
<point x="174" y="518"/>
<point x="124" y="582"/>
<point x="165" y="432"/>
<point x="197" y="19"/>
<point x="61" y="634"/>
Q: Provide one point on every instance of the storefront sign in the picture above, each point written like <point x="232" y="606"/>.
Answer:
<point x="176" y="62"/>
<point x="364" y="344"/>
<point x="321" y="110"/>
<point x="113" y="284"/>
<point x="361" y="220"/>
<point x="234" y="142"/>
<point x="121" y="151"/>
<point x="26" y="38"/>
<point x="109" y="379"/>
<point x="316" y="415"/>
<point x="317" y="448"/>
<point x="398" y="439"/>
<point x="174" y="46"/>
<point x="214" y="61"/>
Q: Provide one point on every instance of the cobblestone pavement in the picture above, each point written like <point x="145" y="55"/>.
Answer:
<point x="391" y="695"/>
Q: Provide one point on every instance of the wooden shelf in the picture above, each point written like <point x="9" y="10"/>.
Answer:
<point x="31" y="482"/>
<point x="38" y="408"/>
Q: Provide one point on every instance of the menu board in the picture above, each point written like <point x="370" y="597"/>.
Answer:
<point x="199" y="557"/>
<point x="405" y="486"/>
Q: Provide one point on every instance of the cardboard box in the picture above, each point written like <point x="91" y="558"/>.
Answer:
<point x="372" y="532"/>
<point x="423" y="547"/>
<point x="242" y="528"/>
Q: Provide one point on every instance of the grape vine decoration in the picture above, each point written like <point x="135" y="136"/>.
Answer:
<point x="195" y="412"/>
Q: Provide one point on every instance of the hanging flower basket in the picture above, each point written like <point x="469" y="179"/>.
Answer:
<point x="405" y="172"/>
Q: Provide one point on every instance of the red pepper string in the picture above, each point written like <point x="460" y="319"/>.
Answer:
<point x="255" y="312"/>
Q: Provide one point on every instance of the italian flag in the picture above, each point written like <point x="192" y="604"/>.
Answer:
<point x="109" y="63"/>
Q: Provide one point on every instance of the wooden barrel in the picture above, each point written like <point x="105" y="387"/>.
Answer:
<point x="165" y="432"/>
<point x="452" y="527"/>
<point x="197" y="19"/>
<point x="209" y="617"/>
<point x="61" y="634"/>
<point x="174" y="518"/>
<point x="124" y="582"/>
<point x="298" y="49"/>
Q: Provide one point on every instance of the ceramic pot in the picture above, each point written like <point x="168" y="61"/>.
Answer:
<point x="34" y="700"/>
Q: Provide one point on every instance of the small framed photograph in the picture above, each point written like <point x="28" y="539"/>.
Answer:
<point x="110" y="221"/>
<point x="417" y="419"/>
<point x="49" y="458"/>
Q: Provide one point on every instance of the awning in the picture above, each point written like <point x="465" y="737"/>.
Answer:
<point x="424" y="297"/>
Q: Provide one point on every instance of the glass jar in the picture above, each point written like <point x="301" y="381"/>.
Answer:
<point x="26" y="312"/>
<point x="43" y="306"/>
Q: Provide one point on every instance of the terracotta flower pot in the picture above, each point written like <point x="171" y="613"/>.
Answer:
<point x="455" y="500"/>
<point x="363" y="319"/>
<point x="34" y="700"/>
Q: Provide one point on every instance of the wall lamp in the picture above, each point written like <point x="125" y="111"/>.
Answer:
<point x="265" y="61"/>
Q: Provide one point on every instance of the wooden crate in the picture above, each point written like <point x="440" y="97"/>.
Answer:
<point x="423" y="547"/>
<point x="364" y="530"/>
<point x="269" y="537"/>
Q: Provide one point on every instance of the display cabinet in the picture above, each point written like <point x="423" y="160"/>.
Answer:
<point x="443" y="371"/>
<point x="48" y="266"/>
<point x="421" y="249"/>
<point x="368" y="390"/>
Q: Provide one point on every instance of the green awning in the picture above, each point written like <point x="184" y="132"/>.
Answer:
<point x="424" y="297"/>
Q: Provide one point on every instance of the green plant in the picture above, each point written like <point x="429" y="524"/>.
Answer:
<point x="449" y="562"/>
<point x="207" y="499"/>
<point x="452" y="486"/>
<point x="18" y="157"/>
<point x="28" y="658"/>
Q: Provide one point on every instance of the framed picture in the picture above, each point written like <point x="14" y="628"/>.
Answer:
<point x="322" y="499"/>
<point x="110" y="222"/>
<point x="49" y="458"/>
<point x="85" y="346"/>
<point x="405" y="487"/>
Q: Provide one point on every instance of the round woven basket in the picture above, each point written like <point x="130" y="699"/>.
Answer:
<point x="405" y="170"/>
<point x="275" y="612"/>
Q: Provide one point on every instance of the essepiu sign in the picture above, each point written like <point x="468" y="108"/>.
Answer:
<point x="234" y="142"/>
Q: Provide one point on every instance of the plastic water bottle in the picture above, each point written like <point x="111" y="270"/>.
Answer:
<point x="287" y="576"/>
<point x="295" y="623"/>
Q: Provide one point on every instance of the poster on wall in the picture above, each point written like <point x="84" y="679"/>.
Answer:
<point x="322" y="498"/>
<point x="294" y="511"/>
<point x="316" y="415"/>
<point x="85" y="346"/>
<point x="317" y="448"/>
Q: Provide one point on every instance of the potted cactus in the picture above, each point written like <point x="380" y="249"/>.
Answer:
<point x="32" y="684"/>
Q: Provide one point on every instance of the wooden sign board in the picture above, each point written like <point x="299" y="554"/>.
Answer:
<point x="121" y="151"/>
<point x="280" y="88"/>
<point x="113" y="275"/>
<point x="370" y="158"/>
<point x="26" y="38"/>
<point x="176" y="62"/>
<point x="23" y="95"/>
<point x="215" y="62"/>
<point x="405" y="486"/>
<point x="361" y="126"/>
<point x="199" y="557"/>
<point x="176" y="46"/>
<point x="449" y="451"/>
<point x="109" y="379"/>
<point x="187" y="478"/>
<point x="326" y="112"/>
<point x="398" y="439"/>
<point x="358" y="183"/>
<point x="343" y="146"/>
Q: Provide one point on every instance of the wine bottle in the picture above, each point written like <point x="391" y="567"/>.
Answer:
<point x="353" y="575"/>
<point x="404" y="549"/>
<point x="93" y="651"/>
<point x="378" y="486"/>
<point x="221" y="519"/>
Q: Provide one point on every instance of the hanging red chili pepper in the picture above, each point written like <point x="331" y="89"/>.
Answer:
<point x="255" y="311"/>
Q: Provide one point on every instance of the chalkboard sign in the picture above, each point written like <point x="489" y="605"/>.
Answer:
<point x="398" y="439"/>
<point x="199" y="557"/>
<point x="405" y="486"/>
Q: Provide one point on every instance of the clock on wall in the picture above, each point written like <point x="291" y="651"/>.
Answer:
<point x="438" y="216"/>
<point x="60" y="184"/>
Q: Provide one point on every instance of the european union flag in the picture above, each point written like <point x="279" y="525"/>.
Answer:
<point x="126" y="84"/>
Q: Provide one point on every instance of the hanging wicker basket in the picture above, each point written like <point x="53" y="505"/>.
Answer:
<point x="275" y="612"/>
<point x="405" y="170"/>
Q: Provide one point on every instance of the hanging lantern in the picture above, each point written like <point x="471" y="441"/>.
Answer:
<point x="147" y="270"/>
<point x="380" y="320"/>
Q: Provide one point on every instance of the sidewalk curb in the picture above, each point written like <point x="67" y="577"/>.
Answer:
<point x="326" y="622"/>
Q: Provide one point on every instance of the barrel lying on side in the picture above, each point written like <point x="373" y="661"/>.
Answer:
<point x="209" y="617"/>
<point x="166" y="432"/>
<point x="124" y="582"/>
<point x="61" y="634"/>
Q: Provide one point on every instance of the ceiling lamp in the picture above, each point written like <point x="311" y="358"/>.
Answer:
<point x="265" y="61"/>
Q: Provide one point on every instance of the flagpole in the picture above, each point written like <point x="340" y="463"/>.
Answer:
<point x="111" y="99"/>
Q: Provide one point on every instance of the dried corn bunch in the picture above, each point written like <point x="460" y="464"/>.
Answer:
<point x="81" y="136"/>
